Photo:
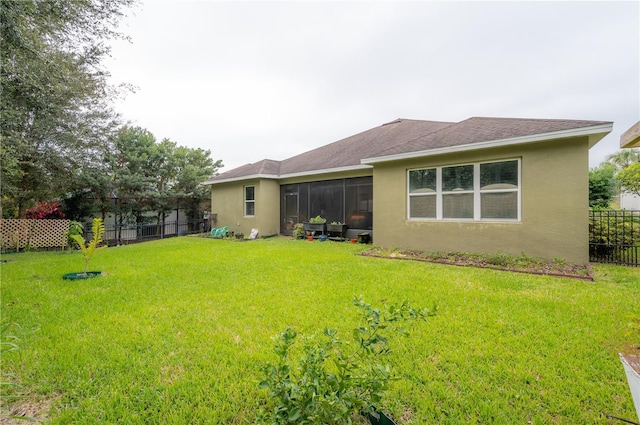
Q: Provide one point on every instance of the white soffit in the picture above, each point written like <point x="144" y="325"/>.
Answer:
<point x="290" y="175"/>
<point x="631" y="137"/>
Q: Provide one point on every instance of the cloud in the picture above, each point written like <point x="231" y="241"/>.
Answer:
<point x="254" y="80"/>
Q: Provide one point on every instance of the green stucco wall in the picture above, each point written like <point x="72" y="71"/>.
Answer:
<point x="227" y="201"/>
<point x="554" y="194"/>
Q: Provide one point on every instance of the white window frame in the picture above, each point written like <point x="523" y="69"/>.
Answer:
<point x="477" y="192"/>
<point x="435" y="194"/>
<point x="249" y="201"/>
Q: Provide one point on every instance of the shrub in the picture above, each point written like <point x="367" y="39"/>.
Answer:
<point x="334" y="381"/>
<point x="45" y="210"/>
<point x="298" y="230"/>
<point x="602" y="185"/>
<point x="75" y="228"/>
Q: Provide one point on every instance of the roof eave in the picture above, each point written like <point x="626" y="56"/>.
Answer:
<point x="241" y="178"/>
<point x="595" y="134"/>
<point x="289" y="175"/>
<point x="631" y="137"/>
<point x="326" y="171"/>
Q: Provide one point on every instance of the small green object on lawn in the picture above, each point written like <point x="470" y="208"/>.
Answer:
<point x="89" y="249"/>
<point x="81" y="275"/>
<point x="380" y="418"/>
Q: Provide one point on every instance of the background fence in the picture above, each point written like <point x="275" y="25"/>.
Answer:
<point x="614" y="237"/>
<point x="26" y="234"/>
<point x="122" y="234"/>
<point x="17" y="234"/>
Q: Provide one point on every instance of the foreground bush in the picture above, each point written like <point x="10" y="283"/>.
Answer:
<point x="334" y="380"/>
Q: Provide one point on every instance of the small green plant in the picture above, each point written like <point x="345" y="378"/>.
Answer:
<point x="336" y="223"/>
<point x="298" y="230"/>
<point x="89" y="249"/>
<point x="334" y="381"/>
<point x="500" y="259"/>
<point x="75" y="228"/>
<point x="8" y="341"/>
<point x="317" y="220"/>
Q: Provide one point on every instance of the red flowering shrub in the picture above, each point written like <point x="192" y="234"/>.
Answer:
<point x="44" y="210"/>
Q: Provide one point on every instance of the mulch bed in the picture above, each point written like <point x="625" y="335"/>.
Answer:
<point x="502" y="262"/>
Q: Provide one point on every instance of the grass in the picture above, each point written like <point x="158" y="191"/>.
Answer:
<point x="176" y="331"/>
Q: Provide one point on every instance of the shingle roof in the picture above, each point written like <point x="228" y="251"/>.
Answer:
<point x="482" y="129"/>
<point x="631" y="137"/>
<point x="350" y="151"/>
<point x="404" y="136"/>
<point x="261" y="168"/>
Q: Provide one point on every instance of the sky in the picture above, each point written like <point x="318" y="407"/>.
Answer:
<point x="269" y="80"/>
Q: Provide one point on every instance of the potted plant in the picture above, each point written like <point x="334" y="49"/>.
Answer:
<point x="338" y="229"/>
<point x="315" y="225"/>
<point x="298" y="231"/>
<point x="88" y="250"/>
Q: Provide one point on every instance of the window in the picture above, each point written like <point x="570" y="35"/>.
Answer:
<point x="249" y="201"/>
<point x="499" y="190"/>
<point x="457" y="192"/>
<point x="482" y="191"/>
<point x="422" y="193"/>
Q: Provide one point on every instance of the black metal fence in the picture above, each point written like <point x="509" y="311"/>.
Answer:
<point x="614" y="237"/>
<point x="123" y="234"/>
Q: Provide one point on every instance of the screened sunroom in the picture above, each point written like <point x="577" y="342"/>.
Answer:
<point x="348" y="201"/>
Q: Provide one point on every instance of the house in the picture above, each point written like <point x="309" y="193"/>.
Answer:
<point x="481" y="185"/>
<point x="630" y="139"/>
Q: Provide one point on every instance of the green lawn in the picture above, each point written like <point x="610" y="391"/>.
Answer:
<point x="176" y="331"/>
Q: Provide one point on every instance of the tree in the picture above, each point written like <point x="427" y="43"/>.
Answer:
<point x="146" y="175"/>
<point x="54" y="108"/>
<point x="602" y="185"/>
<point x="625" y="157"/>
<point x="92" y="192"/>
<point x="138" y="175"/>
<point x="178" y="173"/>
<point x="627" y="162"/>
<point x="629" y="178"/>
<point x="194" y="167"/>
<point x="131" y="170"/>
<point x="164" y="168"/>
